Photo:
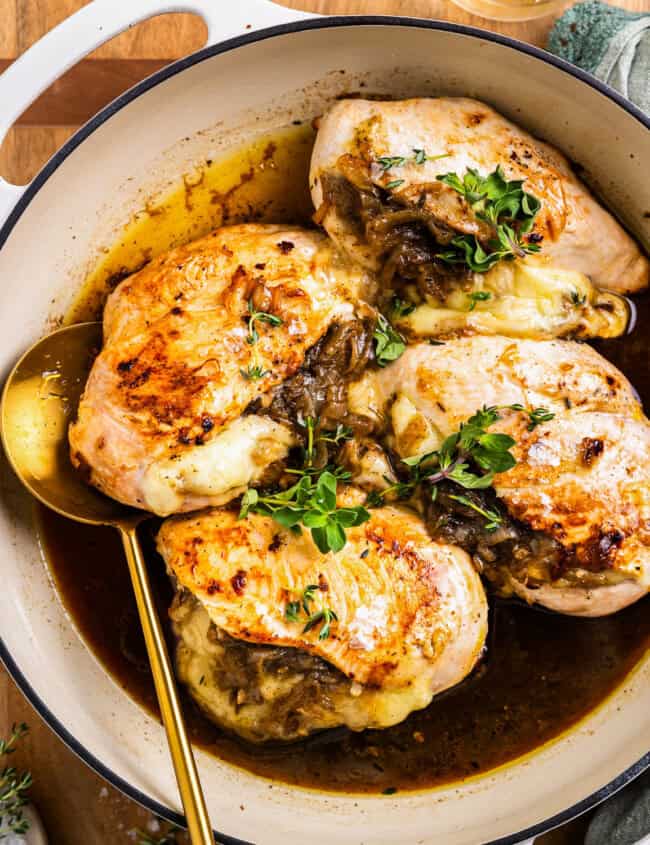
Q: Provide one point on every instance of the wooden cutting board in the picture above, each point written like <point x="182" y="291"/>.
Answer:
<point x="78" y="807"/>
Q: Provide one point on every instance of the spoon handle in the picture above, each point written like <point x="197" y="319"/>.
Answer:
<point x="189" y="786"/>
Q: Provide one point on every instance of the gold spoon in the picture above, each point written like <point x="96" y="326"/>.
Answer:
<point x="39" y="401"/>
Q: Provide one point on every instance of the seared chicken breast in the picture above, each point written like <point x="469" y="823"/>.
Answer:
<point x="374" y="181"/>
<point x="190" y="342"/>
<point x="574" y="534"/>
<point x="277" y="639"/>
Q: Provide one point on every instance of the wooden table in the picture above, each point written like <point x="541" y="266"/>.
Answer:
<point x="77" y="807"/>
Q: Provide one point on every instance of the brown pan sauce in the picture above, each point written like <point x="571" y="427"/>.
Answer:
<point x="542" y="673"/>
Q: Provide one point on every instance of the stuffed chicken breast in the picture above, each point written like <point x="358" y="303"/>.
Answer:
<point x="191" y="342"/>
<point x="469" y="217"/>
<point x="568" y="524"/>
<point x="277" y="639"/>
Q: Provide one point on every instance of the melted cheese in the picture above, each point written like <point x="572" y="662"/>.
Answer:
<point x="413" y="433"/>
<point x="223" y="467"/>
<point x="528" y="298"/>
<point x="348" y="703"/>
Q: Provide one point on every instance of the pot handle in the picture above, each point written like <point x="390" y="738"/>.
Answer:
<point x="99" y="21"/>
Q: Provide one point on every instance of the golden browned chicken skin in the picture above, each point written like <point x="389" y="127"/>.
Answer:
<point x="458" y="133"/>
<point x="161" y="422"/>
<point x="582" y="478"/>
<point x="410" y="617"/>
<point x="375" y="182"/>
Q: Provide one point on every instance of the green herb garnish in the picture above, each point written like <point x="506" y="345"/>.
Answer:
<point x="469" y="458"/>
<point x="478" y="296"/>
<point x="493" y="518"/>
<point x="292" y="611"/>
<point x="14" y="786"/>
<point x="259" y="317"/>
<point x="254" y="372"/>
<point x="419" y="157"/>
<point x="577" y="298"/>
<point x="387" y="162"/>
<point x="536" y="416"/>
<point x="310" y="502"/>
<point x="505" y="206"/>
<point x="338" y="436"/>
<point x="489" y="453"/>
<point x="402" y="489"/>
<point x="389" y="343"/>
<point x="401" y="307"/>
<point x="395" y="183"/>
<point x="310" y="424"/>
<point x="325" y="616"/>
<point x="308" y="596"/>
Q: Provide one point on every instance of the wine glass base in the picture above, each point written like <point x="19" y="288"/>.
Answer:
<point x="509" y="12"/>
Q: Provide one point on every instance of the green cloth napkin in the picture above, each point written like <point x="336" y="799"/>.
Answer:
<point x="625" y="818"/>
<point x="609" y="42"/>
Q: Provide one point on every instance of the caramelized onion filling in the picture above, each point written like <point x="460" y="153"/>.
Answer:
<point x="513" y="550"/>
<point x="404" y="239"/>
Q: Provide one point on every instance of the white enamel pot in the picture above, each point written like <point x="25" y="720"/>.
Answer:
<point x="53" y="230"/>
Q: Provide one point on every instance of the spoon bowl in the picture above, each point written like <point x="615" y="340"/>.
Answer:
<point x="39" y="401"/>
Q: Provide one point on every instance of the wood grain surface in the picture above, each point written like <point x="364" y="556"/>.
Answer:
<point x="78" y="807"/>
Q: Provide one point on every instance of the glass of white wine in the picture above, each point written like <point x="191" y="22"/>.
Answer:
<point x="511" y="10"/>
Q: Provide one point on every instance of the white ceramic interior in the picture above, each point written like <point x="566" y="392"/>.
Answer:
<point x="52" y="238"/>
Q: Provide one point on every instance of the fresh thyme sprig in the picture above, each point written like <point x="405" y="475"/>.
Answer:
<point x="337" y="436"/>
<point x="400" y="489"/>
<point x="470" y="458"/>
<point x="505" y="206"/>
<point x="14" y="786"/>
<point x="254" y="372"/>
<point x="310" y="425"/>
<point x="419" y="157"/>
<point x="401" y="307"/>
<point x="310" y="502"/>
<point x="388" y="162"/>
<point x="492" y="518"/>
<point x="18" y="731"/>
<point x="294" y="608"/>
<point x="254" y="317"/>
<point x="324" y="616"/>
<point x="578" y="299"/>
<point x="478" y="296"/>
<point x="536" y="416"/>
<point x="389" y="344"/>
